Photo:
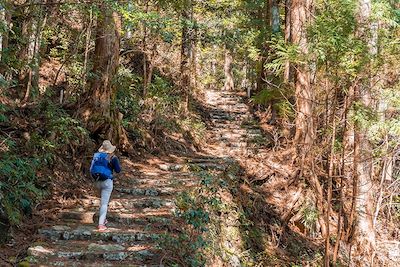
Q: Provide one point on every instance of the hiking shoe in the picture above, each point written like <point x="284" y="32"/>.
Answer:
<point x="101" y="227"/>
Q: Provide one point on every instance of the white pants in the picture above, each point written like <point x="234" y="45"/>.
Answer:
<point x="105" y="188"/>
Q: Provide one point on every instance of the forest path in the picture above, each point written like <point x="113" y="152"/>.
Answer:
<point x="142" y="204"/>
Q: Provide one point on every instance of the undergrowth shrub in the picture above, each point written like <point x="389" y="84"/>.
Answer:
<point x="3" y="109"/>
<point x="163" y="98"/>
<point x="128" y="98"/>
<point x="60" y="132"/>
<point x="18" y="188"/>
<point x="195" y="211"/>
<point x="195" y="126"/>
<point x="22" y="176"/>
<point x="279" y="99"/>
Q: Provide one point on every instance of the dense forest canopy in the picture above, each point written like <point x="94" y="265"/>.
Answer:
<point x="320" y="77"/>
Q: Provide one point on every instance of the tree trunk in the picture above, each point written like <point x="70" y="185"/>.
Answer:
<point x="288" y="39"/>
<point x="87" y="44"/>
<point x="275" y="17"/>
<point x="5" y="15"/>
<point x="229" y="84"/>
<point x="275" y="79"/>
<point x="193" y="60"/>
<point x="33" y="51"/>
<point x="305" y="132"/>
<point x="150" y="67"/>
<point x="363" y="158"/>
<point x="145" y="57"/>
<point x="2" y="34"/>
<point x="186" y="51"/>
<point x="264" y="15"/>
<point x="25" y="73"/>
<point x="97" y="112"/>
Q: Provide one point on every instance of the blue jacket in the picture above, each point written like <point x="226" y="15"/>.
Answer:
<point x="113" y="165"/>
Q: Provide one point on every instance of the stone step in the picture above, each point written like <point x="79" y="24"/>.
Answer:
<point x="219" y="123"/>
<point x="164" y="191"/>
<point x="232" y="135"/>
<point x="233" y="109"/>
<point x="89" y="232"/>
<point x="92" y="252"/>
<point x="226" y="127"/>
<point x="222" y="120"/>
<point x="223" y="116"/>
<point x="219" y="112"/>
<point x="157" y="182"/>
<point x="224" y="142"/>
<point x="226" y="139"/>
<point x="91" y="263"/>
<point x="238" y="144"/>
<point x="171" y="167"/>
<point x="228" y="94"/>
<point x="159" y="221"/>
<point x="133" y="202"/>
<point x="229" y="106"/>
<point x="161" y="175"/>
<point x="220" y="160"/>
<point x="158" y="217"/>
<point x="226" y="102"/>
<point x="208" y="166"/>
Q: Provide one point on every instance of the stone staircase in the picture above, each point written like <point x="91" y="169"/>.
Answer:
<point x="142" y="203"/>
<point x="233" y="131"/>
<point x="139" y="212"/>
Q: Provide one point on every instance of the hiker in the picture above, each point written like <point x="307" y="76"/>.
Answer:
<point x="103" y="165"/>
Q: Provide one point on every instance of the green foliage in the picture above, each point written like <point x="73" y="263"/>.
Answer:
<point x="129" y="88"/>
<point x="192" y="212"/>
<point x="60" y="132"/>
<point x="283" y="52"/>
<point x="363" y="116"/>
<point x="278" y="97"/>
<point x="3" y="109"/>
<point x="75" y="70"/>
<point x="18" y="189"/>
<point x="310" y="216"/>
<point x="332" y="33"/>
<point x="195" y="210"/>
<point x="3" y="82"/>
<point x="385" y="127"/>
<point x="155" y="22"/>
<point x="194" y="126"/>
<point x="59" y="39"/>
<point x="396" y="204"/>
<point x="163" y="98"/>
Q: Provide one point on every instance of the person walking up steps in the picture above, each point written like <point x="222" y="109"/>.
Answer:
<point x="103" y="165"/>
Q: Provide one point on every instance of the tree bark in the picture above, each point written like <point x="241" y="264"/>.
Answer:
<point x="264" y="15"/>
<point x="6" y="17"/>
<point x="24" y="76"/>
<point x="87" y="44"/>
<point x="97" y="112"/>
<point x="275" y="79"/>
<point x="229" y="83"/>
<point x="330" y="186"/>
<point x="2" y="34"/>
<point x="33" y="51"/>
<point x="363" y="159"/>
<point x="288" y="39"/>
<point x="193" y="59"/>
<point x="275" y="17"/>
<point x="186" y="51"/>
<point x="305" y="132"/>
<point x="150" y="67"/>
<point x="145" y="57"/>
